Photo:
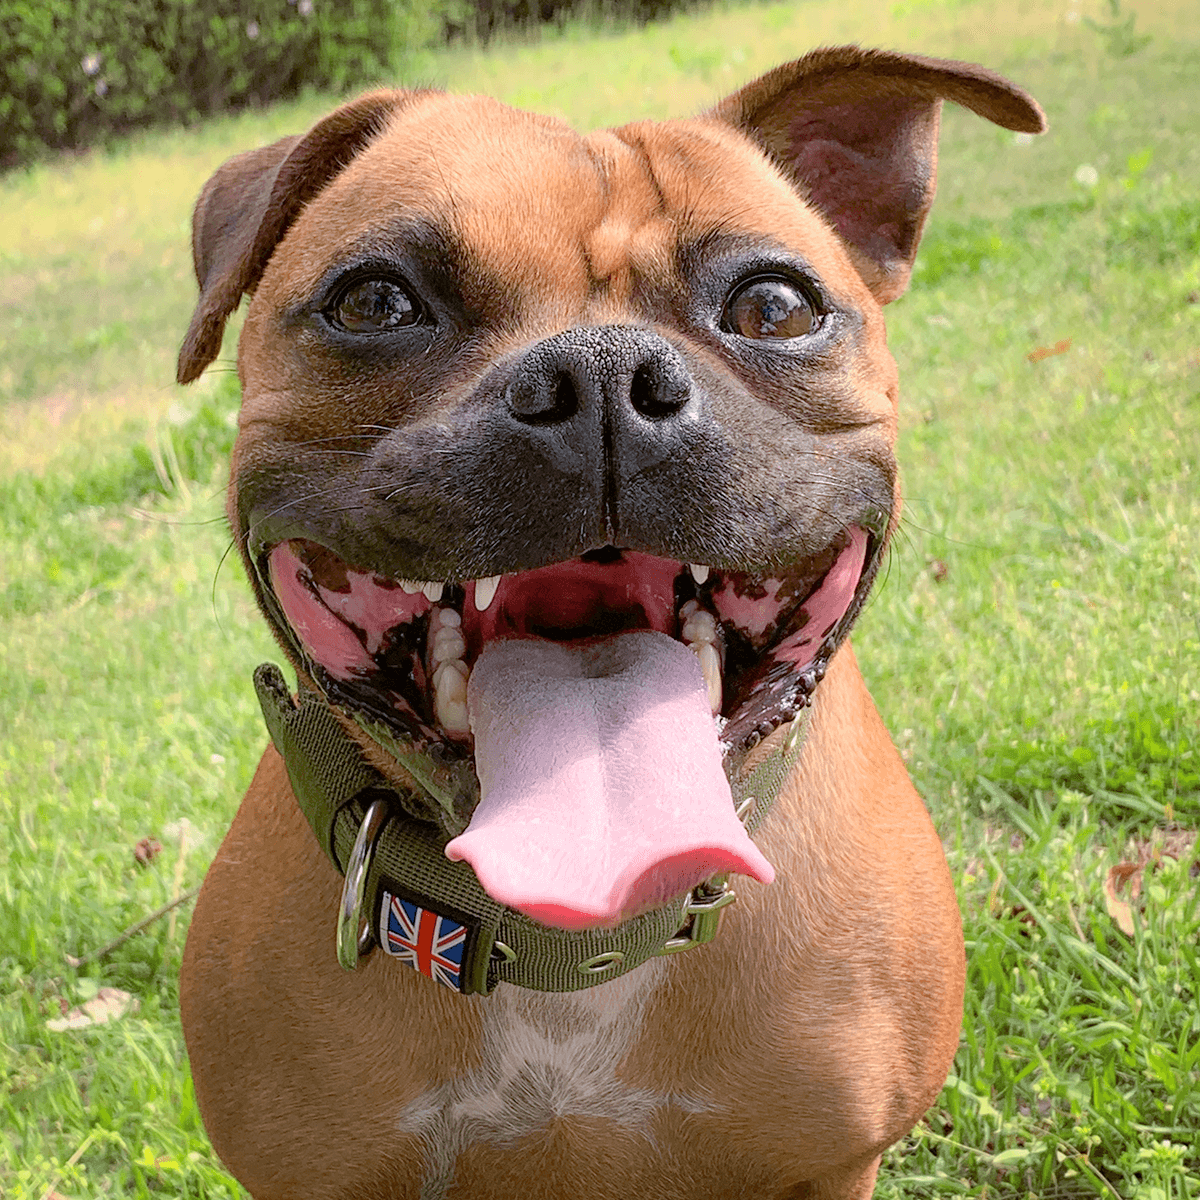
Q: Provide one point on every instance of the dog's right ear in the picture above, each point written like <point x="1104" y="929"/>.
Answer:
<point x="250" y="203"/>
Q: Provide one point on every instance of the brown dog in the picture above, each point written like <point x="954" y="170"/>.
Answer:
<point x="565" y="464"/>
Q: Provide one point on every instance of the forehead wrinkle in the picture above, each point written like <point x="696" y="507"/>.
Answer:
<point x="635" y="235"/>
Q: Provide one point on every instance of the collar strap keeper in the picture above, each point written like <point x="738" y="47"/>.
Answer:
<point x="433" y="913"/>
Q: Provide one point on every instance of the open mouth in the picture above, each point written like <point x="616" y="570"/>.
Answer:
<point x="600" y="702"/>
<point x="761" y="641"/>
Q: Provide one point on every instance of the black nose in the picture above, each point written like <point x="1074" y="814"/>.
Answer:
<point x="623" y="370"/>
<point x="603" y="425"/>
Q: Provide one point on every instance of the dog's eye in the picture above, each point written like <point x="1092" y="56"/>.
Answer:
<point x="769" y="308"/>
<point x="374" y="306"/>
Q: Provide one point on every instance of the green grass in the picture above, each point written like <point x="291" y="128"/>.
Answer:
<point x="1035" y="648"/>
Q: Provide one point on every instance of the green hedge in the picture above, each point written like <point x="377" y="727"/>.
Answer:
<point x="74" y="71"/>
<point x="484" y="18"/>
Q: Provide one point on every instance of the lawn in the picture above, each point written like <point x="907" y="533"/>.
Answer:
<point x="1035" y="646"/>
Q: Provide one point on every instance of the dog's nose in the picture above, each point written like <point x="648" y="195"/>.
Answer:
<point x="622" y="367"/>
<point x="612" y="391"/>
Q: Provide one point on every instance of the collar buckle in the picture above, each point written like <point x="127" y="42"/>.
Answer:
<point x="702" y="910"/>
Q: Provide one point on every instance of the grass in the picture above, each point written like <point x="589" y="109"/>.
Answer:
<point x="1035" y="647"/>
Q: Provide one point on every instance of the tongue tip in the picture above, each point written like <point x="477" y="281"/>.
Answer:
<point x="563" y="906"/>
<point x="675" y="875"/>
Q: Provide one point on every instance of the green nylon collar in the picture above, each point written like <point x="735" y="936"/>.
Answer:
<point x="335" y="786"/>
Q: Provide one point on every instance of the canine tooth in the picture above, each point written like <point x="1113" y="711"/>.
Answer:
<point x="448" y="644"/>
<point x="710" y="664"/>
<point x="699" y="573"/>
<point x="700" y="626"/>
<point x="485" y="591"/>
<point x="690" y="607"/>
<point x="433" y="591"/>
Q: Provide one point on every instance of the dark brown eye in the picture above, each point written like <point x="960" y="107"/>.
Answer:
<point x="769" y="308"/>
<point x="374" y="306"/>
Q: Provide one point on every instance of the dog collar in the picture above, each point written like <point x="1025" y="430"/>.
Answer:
<point x="401" y="892"/>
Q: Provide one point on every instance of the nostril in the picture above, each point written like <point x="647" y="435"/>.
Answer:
<point x="551" y="401"/>
<point x="653" y="396"/>
<point x="566" y="400"/>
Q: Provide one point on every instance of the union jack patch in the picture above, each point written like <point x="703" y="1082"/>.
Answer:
<point x="431" y="942"/>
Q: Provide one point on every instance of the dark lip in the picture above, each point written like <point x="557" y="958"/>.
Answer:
<point x="776" y="697"/>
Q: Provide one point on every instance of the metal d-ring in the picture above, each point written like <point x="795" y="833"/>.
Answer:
<point x="351" y="944"/>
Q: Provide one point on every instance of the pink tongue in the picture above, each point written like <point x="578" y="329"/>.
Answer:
<point x="600" y="772"/>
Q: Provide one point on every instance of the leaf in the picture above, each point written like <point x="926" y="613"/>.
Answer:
<point x="108" y="1004"/>
<point x="1120" y="911"/>
<point x="147" y="849"/>
<point x="1007" y="1158"/>
<point x="1060" y="347"/>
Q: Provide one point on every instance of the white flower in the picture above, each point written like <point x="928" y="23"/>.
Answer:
<point x="304" y="7"/>
<point x="90" y="64"/>
<point x="252" y="30"/>
<point x="1022" y="139"/>
<point x="1086" y="175"/>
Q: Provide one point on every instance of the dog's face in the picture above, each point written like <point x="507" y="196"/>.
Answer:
<point x="505" y="384"/>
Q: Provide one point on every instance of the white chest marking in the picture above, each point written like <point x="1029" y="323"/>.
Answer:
<point x="542" y="1056"/>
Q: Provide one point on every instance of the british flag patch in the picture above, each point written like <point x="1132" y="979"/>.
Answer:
<point x="436" y="945"/>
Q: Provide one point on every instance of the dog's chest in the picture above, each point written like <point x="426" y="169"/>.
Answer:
<point x="542" y="1057"/>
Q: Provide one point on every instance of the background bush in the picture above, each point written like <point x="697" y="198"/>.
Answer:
<point x="483" y="18"/>
<point x="74" y="71"/>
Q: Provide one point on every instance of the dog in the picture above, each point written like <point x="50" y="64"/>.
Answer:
<point x="564" y="466"/>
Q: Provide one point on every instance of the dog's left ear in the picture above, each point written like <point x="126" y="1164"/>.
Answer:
<point x="856" y="131"/>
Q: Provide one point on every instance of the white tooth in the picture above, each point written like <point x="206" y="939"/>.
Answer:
<point x="690" y="607"/>
<point x="442" y="618"/>
<point x="433" y="591"/>
<point x="700" y="626"/>
<point x="410" y="587"/>
<point x="450" y="672"/>
<point x="485" y="591"/>
<point x="453" y="716"/>
<point x="710" y="664"/>
<point x="450" y="680"/>
<point x="450" y="696"/>
<point x="448" y="644"/>
<point x="699" y="574"/>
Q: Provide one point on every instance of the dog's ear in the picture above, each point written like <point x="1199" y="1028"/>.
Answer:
<point x="856" y="131"/>
<point x="250" y="203"/>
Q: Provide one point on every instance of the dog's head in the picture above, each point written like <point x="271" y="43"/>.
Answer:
<point x="529" y="414"/>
